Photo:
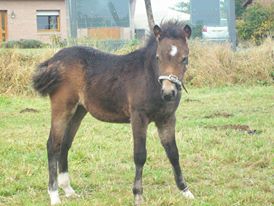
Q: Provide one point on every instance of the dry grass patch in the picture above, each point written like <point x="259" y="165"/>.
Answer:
<point x="16" y="69"/>
<point x="210" y="65"/>
<point x="214" y="64"/>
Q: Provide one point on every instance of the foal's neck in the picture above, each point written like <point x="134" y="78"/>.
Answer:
<point x="150" y="62"/>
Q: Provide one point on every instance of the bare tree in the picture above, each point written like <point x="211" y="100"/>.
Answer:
<point x="149" y="15"/>
<point x="246" y="3"/>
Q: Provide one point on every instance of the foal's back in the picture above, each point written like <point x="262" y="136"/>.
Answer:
<point x="100" y="82"/>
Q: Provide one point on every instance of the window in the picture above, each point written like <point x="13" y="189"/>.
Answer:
<point x="48" y="21"/>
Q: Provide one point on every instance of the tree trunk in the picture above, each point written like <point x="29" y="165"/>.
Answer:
<point x="150" y="18"/>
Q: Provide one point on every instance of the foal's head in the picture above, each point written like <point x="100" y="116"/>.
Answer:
<point x="172" y="57"/>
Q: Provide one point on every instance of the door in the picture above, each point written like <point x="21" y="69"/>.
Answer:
<point x="3" y="26"/>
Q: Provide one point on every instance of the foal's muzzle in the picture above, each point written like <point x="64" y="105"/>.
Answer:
<point x="171" y="93"/>
<point x="170" y="86"/>
<point x="169" y="96"/>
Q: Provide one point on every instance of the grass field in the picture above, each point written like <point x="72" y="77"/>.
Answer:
<point x="224" y="135"/>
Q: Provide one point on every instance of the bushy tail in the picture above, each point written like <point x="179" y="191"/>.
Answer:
<point x="46" y="79"/>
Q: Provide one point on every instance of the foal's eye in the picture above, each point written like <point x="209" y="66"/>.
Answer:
<point x="185" y="61"/>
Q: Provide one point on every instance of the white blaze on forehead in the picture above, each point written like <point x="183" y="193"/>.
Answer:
<point x="173" y="50"/>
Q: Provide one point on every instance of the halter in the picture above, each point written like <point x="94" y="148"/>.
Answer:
<point x="174" y="79"/>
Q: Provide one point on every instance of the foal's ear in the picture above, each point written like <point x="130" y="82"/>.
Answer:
<point x="157" y="31"/>
<point x="187" y="31"/>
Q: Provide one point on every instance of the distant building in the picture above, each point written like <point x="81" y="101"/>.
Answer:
<point x="41" y="19"/>
<point x="101" y="19"/>
<point x="98" y="19"/>
<point x="32" y="19"/>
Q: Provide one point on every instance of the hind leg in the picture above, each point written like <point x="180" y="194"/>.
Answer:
<point x="52" y="167"/>
<point x="62" y="112"/>
<point x="72" y="127"/>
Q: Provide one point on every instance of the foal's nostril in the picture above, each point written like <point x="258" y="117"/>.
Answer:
<point x="173" y="93"/>
<point x="167" y="97"/>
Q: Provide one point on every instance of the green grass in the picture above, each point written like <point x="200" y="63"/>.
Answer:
<point x="222" y="166"/>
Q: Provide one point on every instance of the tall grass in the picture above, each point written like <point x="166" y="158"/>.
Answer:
<point x="217" y="65"/>
<point x="16" y="69"/>
<point x="210" y="65"/>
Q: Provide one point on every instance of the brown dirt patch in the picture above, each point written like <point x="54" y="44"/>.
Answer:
<point x="192" y="100"/>
<point x="237" y="127"/>
<point x="29" y="110"/>
<point x="219" y="114"/>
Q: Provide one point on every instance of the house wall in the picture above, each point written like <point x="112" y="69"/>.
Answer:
<point x="24" y="25"/>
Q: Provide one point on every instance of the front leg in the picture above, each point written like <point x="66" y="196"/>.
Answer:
<point x="139" y="124"/>
<point x="166" y="130"/>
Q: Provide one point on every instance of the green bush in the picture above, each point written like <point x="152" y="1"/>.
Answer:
<point x="197" y="30"/>
<point x="24" y="44"/>
<point x="239" y="9"/>
<point x="257" y="23"/>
